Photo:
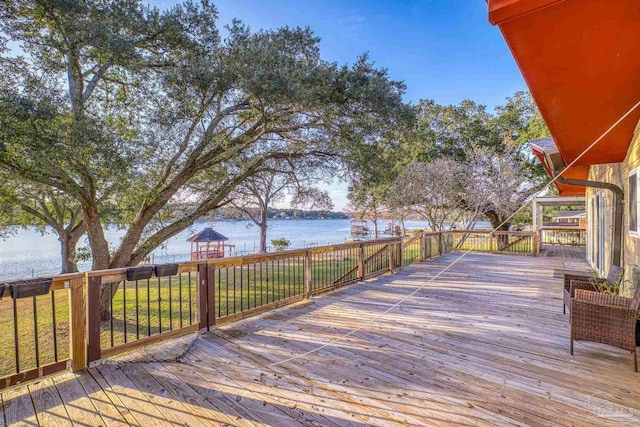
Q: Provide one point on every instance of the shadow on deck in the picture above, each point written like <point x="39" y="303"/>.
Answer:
<point x="485" y="343"/>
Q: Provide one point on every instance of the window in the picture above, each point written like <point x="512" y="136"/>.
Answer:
<point x="632" y="197"/>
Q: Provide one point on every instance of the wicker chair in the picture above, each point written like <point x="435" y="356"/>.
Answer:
<point x="589" y="283"/>
<point x="607" y="319"/>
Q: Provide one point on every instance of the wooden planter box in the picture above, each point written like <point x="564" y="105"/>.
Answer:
<point x="29" y="288"/>
<point x="164" y="270"/>
<point x="139" y="273"/>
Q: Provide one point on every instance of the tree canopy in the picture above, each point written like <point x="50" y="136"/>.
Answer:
<point x="117" y="102"/>
<point x="456" y="161"/>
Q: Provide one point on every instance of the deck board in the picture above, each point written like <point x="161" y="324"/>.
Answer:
<point x="484" y="344"/>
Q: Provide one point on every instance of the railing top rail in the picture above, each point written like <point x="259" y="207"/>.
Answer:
<point x="564" y="228"/>
<point x="434" y="233"/>
<point x="501" y="232"/>
<point x="119" y="274"/>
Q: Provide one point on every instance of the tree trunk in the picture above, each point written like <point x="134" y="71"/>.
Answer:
<point x="97" y="241"/>
<point x="375" y="228"/>
<point x="68" y="252"/>
<point x="100" y="253"/>
<point x="263" y="231"/>
<point x="499" y="223"/>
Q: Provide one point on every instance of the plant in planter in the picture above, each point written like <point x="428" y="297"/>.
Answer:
<point x="281" y="244"/>
<point x="611" y="287"/>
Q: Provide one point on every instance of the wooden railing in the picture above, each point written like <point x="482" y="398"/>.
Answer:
<point x="61" y="327"/>
<point x="506" y="242"/>
<point x="565" y="236"/>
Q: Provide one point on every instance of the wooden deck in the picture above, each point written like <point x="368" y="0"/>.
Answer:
<point x="484" y="344"/>
<point x="564" y="252"/>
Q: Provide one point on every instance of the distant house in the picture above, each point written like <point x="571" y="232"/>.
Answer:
<point x="570" y="218"/>
<point x="580" y="60"/>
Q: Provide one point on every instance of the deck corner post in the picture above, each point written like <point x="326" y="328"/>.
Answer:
<point x="94" y="288"/>
<point x="307" y="275"/>
<point x="361" y="267"/>
<point x="390" y="256"/>
<point x="78" y="332"/>
<point x="401" y="252"/>
<point x="202" y="292"/>
<point x="536" y="242"/>
<point x="211" y="296"/>
<point x="491" y="240"/>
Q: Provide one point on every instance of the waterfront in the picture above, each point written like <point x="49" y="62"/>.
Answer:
<point x="30" y="253"/>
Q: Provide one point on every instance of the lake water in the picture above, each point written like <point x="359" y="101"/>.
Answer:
<point x="31" y="254"/>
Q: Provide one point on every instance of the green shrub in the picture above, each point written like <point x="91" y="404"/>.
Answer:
<point x="281" y="244"/>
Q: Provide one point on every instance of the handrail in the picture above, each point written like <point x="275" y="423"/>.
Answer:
<point x="206" y="293"/>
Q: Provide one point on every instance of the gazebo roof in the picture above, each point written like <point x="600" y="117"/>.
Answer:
<point x="207" y="235"/>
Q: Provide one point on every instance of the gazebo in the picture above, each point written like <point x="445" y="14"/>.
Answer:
<point x="202" y="247"/>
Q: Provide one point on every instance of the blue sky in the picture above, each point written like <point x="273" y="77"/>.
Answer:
<point x="444" y="50"/>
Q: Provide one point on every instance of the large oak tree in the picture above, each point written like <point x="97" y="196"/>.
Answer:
<point x="115" y="102"/>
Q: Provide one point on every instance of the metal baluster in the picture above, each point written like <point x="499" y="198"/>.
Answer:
<point x="35" y="330"/>
<point x="170" y="307"/>
<point x="159" y="309"/>
<point x="180" y="292"/>
<point x="55" y="327"/>
<point x="234" y="289"/>
<point x="137" y="311"/>
<point x="190" y="301"/>
<point x="261" y="285"/>
<point x="15" y="335"/>
<point x="241" y="288"/>
<point x="148" y="308"/>
<point x="124" y="309"/>
<point x="226" y="280"/>
<point x="111" y="311"/>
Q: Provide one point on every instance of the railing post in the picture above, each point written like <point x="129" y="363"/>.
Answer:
<point x="401" y="252"/>
<point x="211" y="296"/>
<point x="423" y="250"/>
<point x="78" y="331"/>
<point x="361" y="271"/>
<point x="536" y="242"/>
<point x="491" y="239"/>
<point x="440" y="243"/>
<point x="307" y="274"/>
<point x="390" y="256"/>
<point x="94" y="287"/>
<point x="203" y="290"/>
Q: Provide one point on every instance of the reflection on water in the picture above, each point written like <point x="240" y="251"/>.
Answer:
<point x="32" y="254"/>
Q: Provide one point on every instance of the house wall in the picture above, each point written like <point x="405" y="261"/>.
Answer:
<point x="617" y="173"/>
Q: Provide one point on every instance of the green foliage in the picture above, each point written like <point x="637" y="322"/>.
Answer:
<point x="604" y="286"/>
<point x="281" y="244"/>
<point x="491" y="147"/>
<point x="524" y="216"/>
<point x="131" y="110"/>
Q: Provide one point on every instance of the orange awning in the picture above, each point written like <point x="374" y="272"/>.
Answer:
<point x="581" y="61"/>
